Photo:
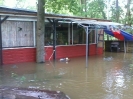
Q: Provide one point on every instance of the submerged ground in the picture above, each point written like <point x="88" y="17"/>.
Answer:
<point x="109" y="76"/>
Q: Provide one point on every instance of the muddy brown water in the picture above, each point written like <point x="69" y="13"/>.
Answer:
<point x="108" y="76"/>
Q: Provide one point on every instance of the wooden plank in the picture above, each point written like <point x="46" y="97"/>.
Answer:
<point x="17" y="33"/>
<point x="100" y="44"/>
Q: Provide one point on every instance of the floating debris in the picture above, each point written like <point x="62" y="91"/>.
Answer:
<point x="13" y="75"/>
<point x="14" y="66"/>
<point x="31" y="81"/>
<point x="108" y="58"/>
<point x="64" y="59"/>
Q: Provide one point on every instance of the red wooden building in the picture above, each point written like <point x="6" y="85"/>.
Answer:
<point x="18" y="37"/>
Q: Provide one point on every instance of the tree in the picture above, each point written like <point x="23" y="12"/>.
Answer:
<point x="96" y="9"/>
<point x="40" y="32"/>
<point x="117" y="11"/>
<point x="24" y="4"/>
<point x="20" y="3"/>
<point x="1" y="2"/>
<point x="62" y="6"/>
<point x="85" y="8"/>
<point x="129" y="19"/>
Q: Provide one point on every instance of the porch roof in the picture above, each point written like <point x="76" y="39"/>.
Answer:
<point x="30" y="13"/>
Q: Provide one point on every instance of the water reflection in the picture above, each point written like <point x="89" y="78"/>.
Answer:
<point x="117" y="79"/>
<point x="102" y="79"/>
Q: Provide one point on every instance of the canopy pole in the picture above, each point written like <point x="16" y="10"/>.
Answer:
<point x="86" y="46"/>
<point x="72" y="33"/>
<point x="69" y="34"/>
<point x="96" y="39"/>
<point x="125" y="46"/>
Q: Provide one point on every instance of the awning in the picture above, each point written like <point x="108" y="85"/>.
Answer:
<point x="122" y="35"/>
<point x="95" y="22"/>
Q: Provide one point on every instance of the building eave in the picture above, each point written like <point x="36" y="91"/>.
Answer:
<point x="30" y="13"/>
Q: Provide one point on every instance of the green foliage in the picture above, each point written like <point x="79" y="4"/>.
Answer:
<point x="129" y="31"/>
<point x="86" y="8"/>
<point x="17" y="77"/>
<point x="96" y="9"/>
<point x="13" y="75"/>
<point x="1" y="2"/>
<point x="61" y="6"/>
<point x="22" y="78"/>
<point x="93" y="9"/>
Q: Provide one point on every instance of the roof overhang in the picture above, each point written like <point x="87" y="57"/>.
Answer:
<point x="95" y="22"/>
<point x="32" y="15"/>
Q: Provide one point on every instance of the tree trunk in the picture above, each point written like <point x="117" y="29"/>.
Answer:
<point x="117" y="11"/>
<point x="128" y="14"/>
<point x="40" y="33"/>
<point x="85" y="8"/>
<point x="82" y="2"/>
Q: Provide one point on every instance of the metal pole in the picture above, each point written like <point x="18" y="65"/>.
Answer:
<point x="68" y="33"/>
<point x="72" y="33"/>
<point x="96" y="39"/>
<point x="1" y="60"/>
<point x="34" y="33"/>
<point x="86" y="46"/>
<point x="125" y="46"/>
<point x="54" y="39"/>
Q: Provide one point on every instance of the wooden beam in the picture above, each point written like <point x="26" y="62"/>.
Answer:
<point x="1" y="21"/>
<point x="4" y="19"/>
<point x="50" y="21"/>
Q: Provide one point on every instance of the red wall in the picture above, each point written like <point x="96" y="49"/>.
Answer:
<point x="11" y="56"/>
<point x="19" y="55"/>
<point x="100" y="50"/>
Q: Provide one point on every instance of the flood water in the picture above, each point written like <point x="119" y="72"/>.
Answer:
<point x="108" y="76"/>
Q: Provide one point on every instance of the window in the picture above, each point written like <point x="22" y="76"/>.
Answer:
<point x="61" y="34"/>
<point x="79" y="35"/>
<point x="92" y="36"/>
<point x="48" y="36"/>
<point x="64" y="33"/>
